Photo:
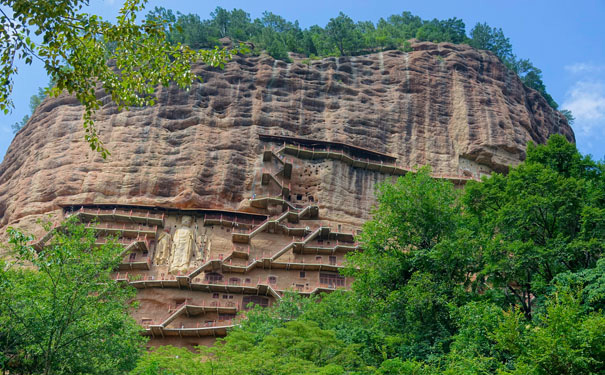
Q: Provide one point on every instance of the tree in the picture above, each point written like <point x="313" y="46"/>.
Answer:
<point x="412" y="216"/>
<point x="60" y="310"/>
<point x="504" y="278"/>
<point x="260" y="321"/>
<point x="34" y="101"/>
<point x="367" y="34"/>
<point x="220" y="18"/>
<point x="240" y="27"/>
<point x="413" y="263"/>
<point x="81" y="51"/>
<point x="439" y="278"/>
<point x="19" y="124"/>
<point x="397" y="29"/>
<point x="168" y="360"/>
<point x="343" y="34"/>
<point x="340" y="312"/>
<point x="541" y="220"/>
<point x="278" y="36"/>
<point x="562" y="340"/>
<point x="563" y="158"/>
<point x="492" y="39"/>
<point x="297" y="347"/>
<point x="569" y="116"/>
<point x="451" y="30"/>
<point x="531" y="76"/>
<point x="591" y="281"/>
<point x="320" y="40"/>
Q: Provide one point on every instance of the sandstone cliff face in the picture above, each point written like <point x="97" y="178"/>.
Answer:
<point x="450" y="106"/>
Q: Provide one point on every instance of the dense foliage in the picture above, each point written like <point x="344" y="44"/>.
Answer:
<point x="81" y="51"/>
<point x="505" y="277"/>
<point x="61" y="312"/>
<point x="341" y="36"/>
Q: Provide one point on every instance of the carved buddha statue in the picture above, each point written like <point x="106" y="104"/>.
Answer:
<point x="163" y="250"/>
<point x="183" y="244"/>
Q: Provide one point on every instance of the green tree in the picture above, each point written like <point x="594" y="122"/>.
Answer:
<point x="508" y="280"/>
<point x="540" y="220"/>
<point x="168" y="360"/>
<point x="408" y="272"/>
<point x="81" y="51"/>
<point x="531" y="76"/>
<point x="412" y="216"/>
<point x="339" y="312"/>
<point x="234" y="24"/>
<point x="278" y="36"/>
<point x="451" y="30"/>
<point x="569" y="116"/>
<point x="367" y="34"/>
<point x="20" y="124"/>
<point x="343" y="34"/>
<point x="474" y="349"/>
<point x="397" y="366"/>
<point x="34" y="102"/>
<point x="60" y="310"/>
<point x="320" y="40"/>
<point x="221" y="19"/>
<point x="563" y="158"/>
<point x="485" y="37"/>
<point x="297" y="347"/>
<point x="591" y="281"/>
<point x="260" y="321"/>
<point x="562" y="340"/>
<point x="397" y="29"/>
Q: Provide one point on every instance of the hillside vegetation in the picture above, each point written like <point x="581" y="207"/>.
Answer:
<point x="505" y="277"/>
<point x="340" y="37"/>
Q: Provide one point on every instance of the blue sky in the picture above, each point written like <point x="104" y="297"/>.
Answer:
<point x="563" y="38"/>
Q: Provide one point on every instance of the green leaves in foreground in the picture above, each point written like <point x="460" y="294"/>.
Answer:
<point x="295" y="348"/>
<point x="82" y="52"/>
<point x="60" y="311"/>
<point x="543" y="219"/>
<point x="504" y="278"/>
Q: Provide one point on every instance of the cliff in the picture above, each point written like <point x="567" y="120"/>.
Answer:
<point x="455" y="108"/>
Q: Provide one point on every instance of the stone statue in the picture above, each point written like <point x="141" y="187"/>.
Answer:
<point x="183" y="244"/>
<point x="163" y="249"/>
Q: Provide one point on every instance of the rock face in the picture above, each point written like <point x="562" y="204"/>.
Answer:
<point x="257" y="180"/>
<point x="449" y="106"/>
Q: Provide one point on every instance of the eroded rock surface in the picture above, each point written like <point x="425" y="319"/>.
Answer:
<point x="453" y="107"/>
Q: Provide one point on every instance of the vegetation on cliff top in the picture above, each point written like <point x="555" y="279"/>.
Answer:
<point x="505" y="277"/>
<point x="76" y="48"/>
<point x="341" y="36"/>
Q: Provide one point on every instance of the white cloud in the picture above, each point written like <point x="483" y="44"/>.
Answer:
<point x="586" y="100"/>
<point x="582" y="68"/>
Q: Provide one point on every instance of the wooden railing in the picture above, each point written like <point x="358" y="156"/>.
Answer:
<point x="118" y="211"/>
<point x="380" y="165"/>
